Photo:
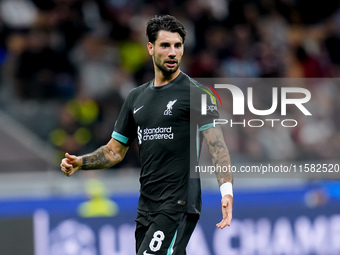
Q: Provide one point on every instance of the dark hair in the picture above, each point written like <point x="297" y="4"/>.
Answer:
<point x="164" y="22"/>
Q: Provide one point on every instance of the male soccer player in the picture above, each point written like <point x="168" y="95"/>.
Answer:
<point x="158" y="115"/>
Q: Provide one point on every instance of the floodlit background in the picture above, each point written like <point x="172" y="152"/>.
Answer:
<point x="67" y="67"/>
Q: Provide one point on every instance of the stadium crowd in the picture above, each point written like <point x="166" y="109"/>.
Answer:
<point x="68" y="65"/>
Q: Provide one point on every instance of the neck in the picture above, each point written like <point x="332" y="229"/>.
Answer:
<point x="161" y="79"/>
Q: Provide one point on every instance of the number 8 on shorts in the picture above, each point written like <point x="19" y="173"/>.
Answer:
<point x="156" y="241"/>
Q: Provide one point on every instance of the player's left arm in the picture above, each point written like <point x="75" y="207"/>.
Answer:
<point x="220" y="156"/>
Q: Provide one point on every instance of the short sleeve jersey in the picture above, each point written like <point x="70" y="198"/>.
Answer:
<point x="159" y="117"/>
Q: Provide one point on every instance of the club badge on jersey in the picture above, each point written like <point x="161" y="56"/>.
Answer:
<point x="169" y="106"/>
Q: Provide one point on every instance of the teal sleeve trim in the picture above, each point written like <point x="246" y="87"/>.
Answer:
<point x="119" y="137"/>
<point x="205" y="127"/>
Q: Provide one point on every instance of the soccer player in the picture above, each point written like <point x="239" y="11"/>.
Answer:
<point x="158" y="115"/>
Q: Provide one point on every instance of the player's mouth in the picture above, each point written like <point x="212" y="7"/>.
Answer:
<point x="171" y="63"/>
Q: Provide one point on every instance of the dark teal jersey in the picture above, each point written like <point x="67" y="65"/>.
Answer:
<point x="165" y="121"/>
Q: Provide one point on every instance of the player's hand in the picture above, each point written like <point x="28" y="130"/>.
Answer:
<point x="227" y="211"/>
<point x="70" y="164"/>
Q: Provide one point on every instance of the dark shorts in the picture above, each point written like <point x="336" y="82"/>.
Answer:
<point x="164" y="233"/>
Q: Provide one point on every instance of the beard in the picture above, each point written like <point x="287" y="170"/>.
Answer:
<point x="164" y="69"/>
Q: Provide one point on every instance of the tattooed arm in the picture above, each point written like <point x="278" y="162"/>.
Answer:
<point x="220" y="156"/>
<point x="106" y="156"/>
<point x="219" y="153"/>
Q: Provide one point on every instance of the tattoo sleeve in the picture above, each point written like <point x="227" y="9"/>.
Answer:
<point x="103" y="157"/>
<point x="219" y="152"/>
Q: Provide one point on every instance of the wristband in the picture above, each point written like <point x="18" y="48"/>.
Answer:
<point x="226" y="189"/>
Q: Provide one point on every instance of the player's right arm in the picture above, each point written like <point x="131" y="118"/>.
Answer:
<point x="104" y="157"/>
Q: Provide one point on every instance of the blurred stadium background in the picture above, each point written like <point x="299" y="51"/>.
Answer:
<point x="67" y="66"/>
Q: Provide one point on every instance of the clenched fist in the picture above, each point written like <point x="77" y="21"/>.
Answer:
<point x="70" y="164"/>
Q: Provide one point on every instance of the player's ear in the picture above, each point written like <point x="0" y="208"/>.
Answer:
<point x="150" y="48"/>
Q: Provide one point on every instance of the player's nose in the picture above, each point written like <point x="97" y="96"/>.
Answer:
<point x="172" y="51"/>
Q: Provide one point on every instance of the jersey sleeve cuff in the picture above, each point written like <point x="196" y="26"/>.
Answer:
<point x="119" y="137"/>
<point x="205" y="127"/>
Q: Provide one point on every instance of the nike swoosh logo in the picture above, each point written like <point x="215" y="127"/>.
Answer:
<point x="136" y="110"/>
<point x="145" y="253"/>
